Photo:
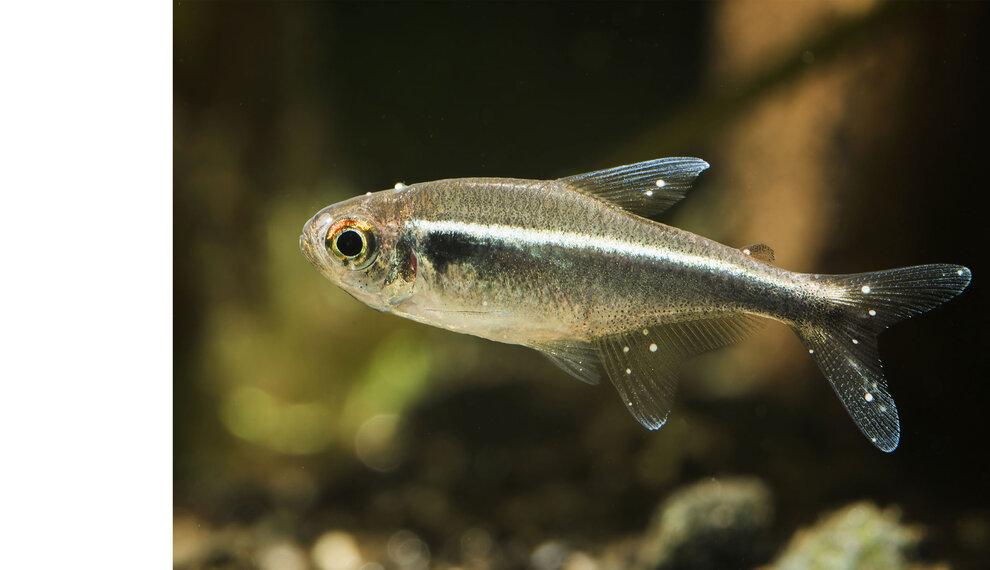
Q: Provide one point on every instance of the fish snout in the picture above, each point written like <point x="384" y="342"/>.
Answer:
<point x="308" y="251"/>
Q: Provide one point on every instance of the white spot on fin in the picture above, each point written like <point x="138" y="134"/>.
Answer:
<point x="625" y="349"/>
<point x="653" y="347"/>
<point x="628" y="371"/>
<point x="661" y="183"/>
<point x="855" y="341"/>
<point x="868" y="397"/>
<point x="648" y="193"/>
<point x="400" y="186"/>
<point x="865" y="289"/>
<point x="873" y="313"/>
<point x="646" y="332"/>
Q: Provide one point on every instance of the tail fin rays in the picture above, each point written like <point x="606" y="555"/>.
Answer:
<point x="843" y="341"/>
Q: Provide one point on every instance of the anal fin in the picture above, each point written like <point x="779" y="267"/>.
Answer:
<point x="644" y="364"/>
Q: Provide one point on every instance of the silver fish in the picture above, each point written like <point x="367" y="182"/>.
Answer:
<point x="573" y="268"/>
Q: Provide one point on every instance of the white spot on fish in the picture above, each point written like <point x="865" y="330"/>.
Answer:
<point x="873" y="313"/>
<point x="628" y="371"/>
<point x="645" y="332"/>
<point x="873" y="439"/>
<point x="874" y="385"/>
<point x="625" y="349"/>
<point x="865" y="289"/>
<point x="855" y="341"/>
<point x="661" y="183"/>
<point x="653" y="347"/>
<point x="959" y="272"/>
<point x="868" y="397"/>
<point x="367" y="193"/>
<point x="883" y="408"/>
<point x="811" y="351"/>
<point x="630" y="403"/>
<point x="648" y="193"/>
<point x="747" y="251"/>
<point x="400" y="186"/>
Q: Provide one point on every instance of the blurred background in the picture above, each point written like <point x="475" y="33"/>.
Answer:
<point x="314" y="432"/>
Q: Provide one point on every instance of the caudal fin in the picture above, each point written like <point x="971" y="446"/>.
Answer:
<point x="843" y="339"/>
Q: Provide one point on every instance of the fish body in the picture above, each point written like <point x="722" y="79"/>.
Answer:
<point x="574" y="269"/>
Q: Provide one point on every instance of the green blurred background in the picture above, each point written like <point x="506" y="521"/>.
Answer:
<point x="314" y="432"/>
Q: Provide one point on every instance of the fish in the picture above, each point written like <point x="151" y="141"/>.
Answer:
<point x="578" y="269"/>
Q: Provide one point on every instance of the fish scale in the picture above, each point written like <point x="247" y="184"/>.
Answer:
<point x="575" y="269"/>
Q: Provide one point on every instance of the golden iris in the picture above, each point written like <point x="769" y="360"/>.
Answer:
<point x="351" y="242"/>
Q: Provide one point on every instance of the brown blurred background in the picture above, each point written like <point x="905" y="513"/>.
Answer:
<point x="313" y="432"/>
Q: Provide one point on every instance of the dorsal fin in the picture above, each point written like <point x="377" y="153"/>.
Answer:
<point x="645" y="188"/>
<point x="760" y="251"/>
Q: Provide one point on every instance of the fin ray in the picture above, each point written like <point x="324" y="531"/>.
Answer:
<point x="643" y="364"/>
<point x="843" y="341"/>
<point x="577" y="358"/>
<point x="645" y="188"/>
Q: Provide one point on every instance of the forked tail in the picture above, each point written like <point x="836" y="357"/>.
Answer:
<point x="843" y="339"/>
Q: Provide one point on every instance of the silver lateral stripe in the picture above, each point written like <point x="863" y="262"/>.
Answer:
<point x="570" y="240"/>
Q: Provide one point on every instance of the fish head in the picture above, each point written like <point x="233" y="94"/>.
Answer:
<point x="357" y="244"/>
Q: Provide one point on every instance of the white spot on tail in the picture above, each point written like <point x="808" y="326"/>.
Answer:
<point x="645" y="332"/>
<point x="400" y="186"/>
<point x="868" y="397"/>
<point x="873" y="439"/>
<point x="653" y="347"/>
<point x="959" y="272"/>
<point x="865" y="289"/>
<point x="625" y="349"/>
<point x="855" y="341"/>
<point x="628" y="371"/>
<point x="873" y="313"/>
<point x="648" y="193"/>
<point x="811" y="351"/>
<point x="661" y="183"/>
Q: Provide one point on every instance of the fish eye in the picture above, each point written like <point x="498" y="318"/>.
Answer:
<point x="351" y="242"/>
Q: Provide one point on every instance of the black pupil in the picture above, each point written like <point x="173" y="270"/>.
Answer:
<point x="349" y="243"/>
